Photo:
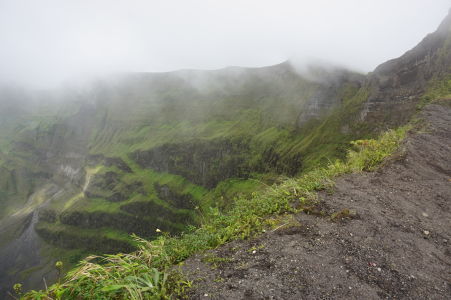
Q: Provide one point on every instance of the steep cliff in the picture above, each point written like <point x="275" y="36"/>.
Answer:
<point x="83" y="169"/>
<point x="398" y="84"/>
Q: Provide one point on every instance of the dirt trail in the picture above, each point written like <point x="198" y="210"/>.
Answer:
<point x="396" y="246"/>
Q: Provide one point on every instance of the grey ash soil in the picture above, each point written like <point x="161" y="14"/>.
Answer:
<point x="395" y="243"/>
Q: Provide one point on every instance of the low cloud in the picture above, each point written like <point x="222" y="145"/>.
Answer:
<point x="44" y="43"/>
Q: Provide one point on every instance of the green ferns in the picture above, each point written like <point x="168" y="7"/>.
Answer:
<point x="149" y="273"/>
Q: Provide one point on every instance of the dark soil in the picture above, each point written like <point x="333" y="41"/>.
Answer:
<point x="391" y="241"/>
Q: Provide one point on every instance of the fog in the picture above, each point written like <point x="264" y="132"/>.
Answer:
<point x="44" y="43"/>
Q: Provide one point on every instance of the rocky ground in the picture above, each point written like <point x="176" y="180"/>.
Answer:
<point x="392" y="239"/>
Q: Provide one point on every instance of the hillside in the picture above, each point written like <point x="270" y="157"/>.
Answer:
<point x="137" y="152"/>
<point x="207" y="157"/>
<point x="390" y="238"/>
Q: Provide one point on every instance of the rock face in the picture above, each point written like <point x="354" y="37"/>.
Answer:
<point x="334" y="85"/>
<point x="398" y="84"/>
<point x="174" y="198"/>
<point x="203" y="162"/>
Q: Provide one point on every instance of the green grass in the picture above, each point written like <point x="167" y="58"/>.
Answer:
<point x="83" y="232"/>
<point x="145" y="274"/>
<point x="224" y="194"/>
<point x="437" y="91"/>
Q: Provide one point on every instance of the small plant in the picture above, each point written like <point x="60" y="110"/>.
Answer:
<point x="59" y="265"/>
<point x="59" y="268"/>
<point x="17" y="288"/>
<point x="215" y="261"/>
<point x="254" y="249"/>
<point x="343" y="214"/>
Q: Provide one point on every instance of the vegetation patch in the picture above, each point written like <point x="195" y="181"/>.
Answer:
<point x="145" y="273"/>
<point x="438" y="91"/>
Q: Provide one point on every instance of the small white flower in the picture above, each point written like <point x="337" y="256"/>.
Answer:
<point x="158" y="230"/>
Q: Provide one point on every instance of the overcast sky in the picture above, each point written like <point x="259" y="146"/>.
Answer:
<point x="47" y="41"/>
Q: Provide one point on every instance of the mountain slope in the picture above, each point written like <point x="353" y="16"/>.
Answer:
<point x="393" y="244"/>
<point x="398" y="84"/>
<point x="141" y="153"/>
